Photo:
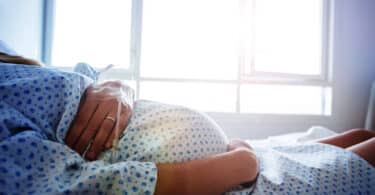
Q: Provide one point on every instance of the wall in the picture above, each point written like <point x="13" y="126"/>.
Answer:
<point x="354" y="61"/>
<point x="21" y="26"/>
<point x="353" y="71"/>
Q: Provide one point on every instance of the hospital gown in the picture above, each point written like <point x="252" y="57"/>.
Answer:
<point x="38" y="105"/>
<point x="36" y="108"/>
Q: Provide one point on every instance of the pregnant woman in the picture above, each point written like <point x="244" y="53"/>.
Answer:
<point x="50" y="119"/>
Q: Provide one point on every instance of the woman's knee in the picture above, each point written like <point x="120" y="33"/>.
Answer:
<point x="365" y="150"/>
<point x="371" y="142"/>
<point x="361" y="133"/>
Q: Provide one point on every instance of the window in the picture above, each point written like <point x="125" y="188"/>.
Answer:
<point x="91" y="31"/>
<point x="245" y="56"/>
<point x="192" y="39"/>
<point x="287" y="36"/>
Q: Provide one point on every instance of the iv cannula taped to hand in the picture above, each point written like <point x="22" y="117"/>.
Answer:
<point x="108" y="91"/>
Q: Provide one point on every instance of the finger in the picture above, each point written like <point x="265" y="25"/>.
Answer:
<point x="123" y="121"/>
<point x="117" y="131"/>
<point x="85" y="112"/>
<point x="238" y="143"/>
<point x="115" y="83"/>
<point x="92" y="127"/>
<point x="101" y="136"/>
<point x="229" y="147"/>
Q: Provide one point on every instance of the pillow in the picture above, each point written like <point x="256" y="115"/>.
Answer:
<point x="4" y="48"/>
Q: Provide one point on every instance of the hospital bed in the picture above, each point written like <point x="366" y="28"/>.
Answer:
<point x="314" y="133"/>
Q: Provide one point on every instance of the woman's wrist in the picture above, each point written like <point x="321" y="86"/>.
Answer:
<point x="172" y="178"/>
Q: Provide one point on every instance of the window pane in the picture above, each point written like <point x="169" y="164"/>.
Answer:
<point x="288" y="36"/>
<point x="92" y="31"/>
<point x="280" y="99"/>
<point x="201" y="96"/>
<point x="190" y="39"/>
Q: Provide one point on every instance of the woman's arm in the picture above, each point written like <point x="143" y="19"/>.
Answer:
<point x="212" y="175"/>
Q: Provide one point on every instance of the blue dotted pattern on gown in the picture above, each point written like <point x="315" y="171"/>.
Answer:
<point x="36" y="108"/>
<point x="313" y="168"/>
<point x="165" y="133"/>
<point x="38" y="104"/>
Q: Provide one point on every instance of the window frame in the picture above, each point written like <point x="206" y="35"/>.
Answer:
<point x="256" y="77"/>
<point x="322" y="78"/>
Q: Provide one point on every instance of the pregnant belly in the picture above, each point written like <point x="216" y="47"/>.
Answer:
<point x="166" y="133"/>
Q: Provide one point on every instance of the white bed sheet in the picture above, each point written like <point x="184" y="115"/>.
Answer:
<point x="314" y="133"/>
<point x="309" y="168"/>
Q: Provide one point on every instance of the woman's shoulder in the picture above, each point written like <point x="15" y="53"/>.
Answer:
<point x="45" y="96"/>
<point x="13" y="74"/>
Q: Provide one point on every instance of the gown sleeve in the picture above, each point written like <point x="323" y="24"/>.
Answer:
<point x="37" y="106"/>
<point x="30" y="164"/>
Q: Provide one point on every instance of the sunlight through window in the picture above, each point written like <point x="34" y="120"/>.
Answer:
<point x="92" y="31"/>
<point x="247" y="56"/>
<point x="190" y="39"/>
<point x="288" y="36"/>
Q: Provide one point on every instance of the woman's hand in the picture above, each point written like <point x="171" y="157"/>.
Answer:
<point x="97" y="120"/>
<point x="241" y="145"/>
<point x="238" y="143"/>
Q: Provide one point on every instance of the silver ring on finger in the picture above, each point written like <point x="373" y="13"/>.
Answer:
<point x="111" y="119"/>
